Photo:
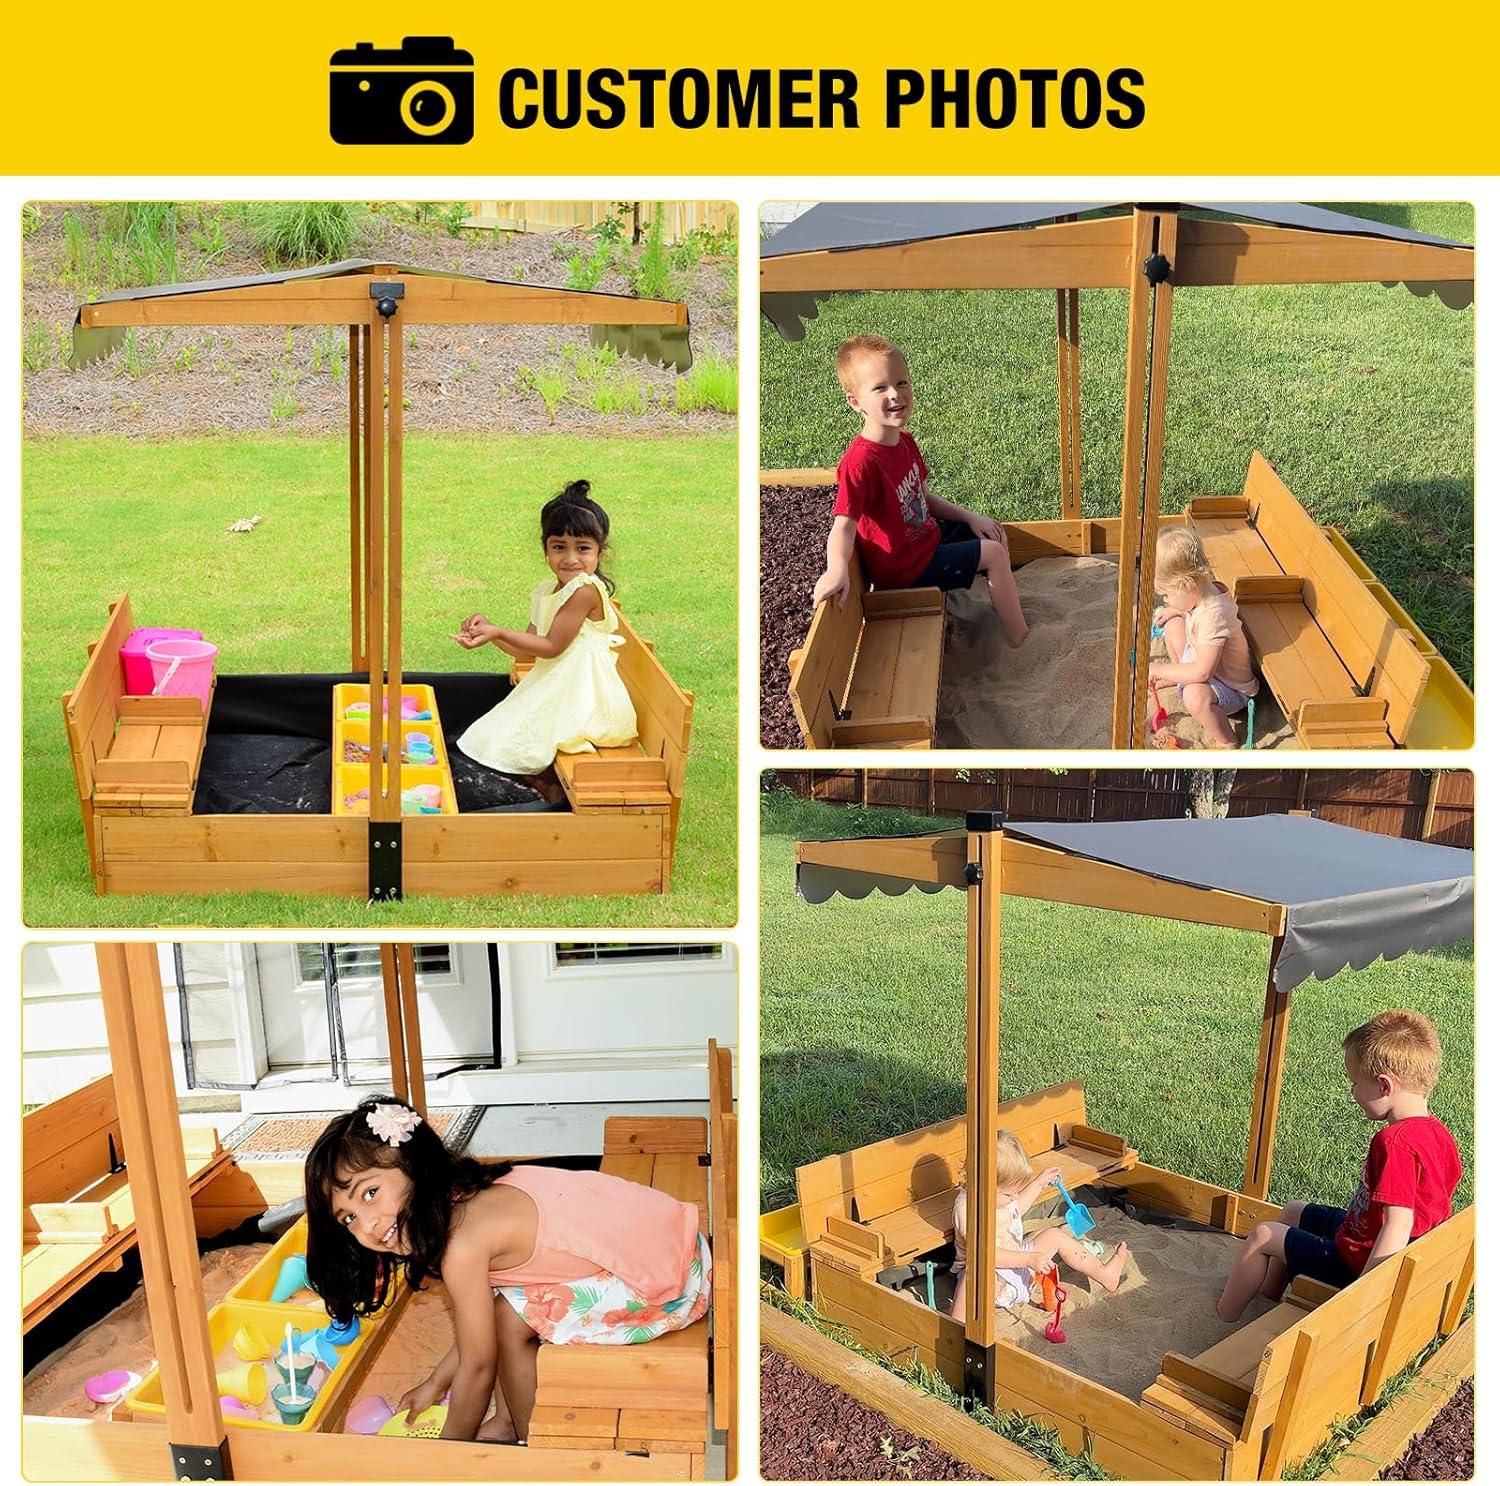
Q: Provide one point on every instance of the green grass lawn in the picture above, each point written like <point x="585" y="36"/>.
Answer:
<point x="105" y="516"/>
<point x="1361" y="397"/>
<point x="862" y="1024"/>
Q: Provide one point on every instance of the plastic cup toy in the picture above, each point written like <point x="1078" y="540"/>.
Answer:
<point x="247" y="1383"/>
<point x="292" y="1407"/>
<point x="300" y="1366"/>
<point x="291" y="1278"/>
<point x="369" y="1414"/>
<point x="250" y="1346"/>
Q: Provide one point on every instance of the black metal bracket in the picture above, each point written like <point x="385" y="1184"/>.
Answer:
<point x="116" y="1163"/>
<point x="973" y="874"/>
<point x="386" y="297"/>
<point x="385" y="861"/>
<point x="840" y="714"/>
<point x="1369" y="685"/>
<point x="984" y="820"/>
<point x="979" y="1381"/>
<point x="1157" y="268"/>
<point x="201" y="1462"/>
<point x="705" y="1160"/>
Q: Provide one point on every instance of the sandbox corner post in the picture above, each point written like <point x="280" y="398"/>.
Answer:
<point x="1266" y="1097"/>
<point x="151" y="1131"/>
<point x="983" y="877"/>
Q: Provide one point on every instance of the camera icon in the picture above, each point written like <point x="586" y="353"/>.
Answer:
<point x="419" y="93"/>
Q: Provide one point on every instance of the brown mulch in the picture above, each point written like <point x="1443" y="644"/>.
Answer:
<point x="793" y="550"/>
<point x="215" y="380"/>
<point x="810" y="1431"/>
<point x="1445" y="1452"/>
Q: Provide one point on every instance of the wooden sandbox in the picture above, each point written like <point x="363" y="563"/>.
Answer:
<point x="1243" y="1409"/>
<point x="642" y="1412"/>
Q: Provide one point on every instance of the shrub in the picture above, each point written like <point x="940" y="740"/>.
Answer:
<point x="652" y="277"/>
<point x="711" y="383"/>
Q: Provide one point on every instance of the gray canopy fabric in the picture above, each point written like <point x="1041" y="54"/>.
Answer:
<point x="843" y="225"/>
<point x="1351" y="896"/>
<point x="666" y="345"/>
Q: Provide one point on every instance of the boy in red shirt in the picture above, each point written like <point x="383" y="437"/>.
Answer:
<point x="907" y="537"/>
<point x="1407" y="1185"/>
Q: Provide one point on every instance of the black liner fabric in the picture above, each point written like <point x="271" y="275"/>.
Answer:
<point x="667" y="345"/>
<point x="1351" y="896"/>
<point x="269" y="749"/>
<point x="838" y="226"/>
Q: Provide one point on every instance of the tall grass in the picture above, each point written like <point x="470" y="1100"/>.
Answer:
<point x="121" y="244"/>
<point x="651" y="275"/>
<point x="712" y="382"/>
<point x="289" y="233"/>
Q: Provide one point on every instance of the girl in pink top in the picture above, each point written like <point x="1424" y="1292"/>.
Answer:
<point x="528" y="1254"/>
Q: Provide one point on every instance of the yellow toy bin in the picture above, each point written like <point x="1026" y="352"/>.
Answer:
<point x="269" y="1322"/>
<point x="351" y="777"/>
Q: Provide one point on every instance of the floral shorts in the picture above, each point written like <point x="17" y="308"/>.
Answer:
<point x="604" y="1311"/>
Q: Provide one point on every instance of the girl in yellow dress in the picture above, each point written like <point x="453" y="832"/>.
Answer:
<point x="572" y="699"/>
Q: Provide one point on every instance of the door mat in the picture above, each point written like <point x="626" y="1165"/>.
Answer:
<point x="291" y="1137"/>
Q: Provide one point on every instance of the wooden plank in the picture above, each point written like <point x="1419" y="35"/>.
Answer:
<point x="506" y="877"/>
<point x="84" y="1450"/>
<point x="560" y="1423"/>
<point x="903" y="1327"/>
<point x="394" y="1028"/>
<point x="51" y="1130"/>
<point x="820" y="669"/>
<point x="991" y="1454"/>
<point x="1380" y="1368"/>
<point x="801" y="479"/>
<point x="1251" y="253"/>
<point x="906" y="731"/>
<point x="1389" y="1434"/>
<point x="630" y="1134"/>
<point x="1298" y="1378"/>
<point x="668" y="1373"/>
<point x="1070" y="255"/>
<point x="982" y="1046"/>
<point x="935" y="859"/>
<point x="208" y="840"/>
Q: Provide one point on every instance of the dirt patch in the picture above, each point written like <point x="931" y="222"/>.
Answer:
<point x="1445" y="1452"/>
<point x="210" y="380"/>
<point x="793" y="546"/>
<point x="811" y="1431"/>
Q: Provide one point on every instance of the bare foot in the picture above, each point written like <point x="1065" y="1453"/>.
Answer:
<point x="494" y="1432"/>
<point x="1114" y="1268"/>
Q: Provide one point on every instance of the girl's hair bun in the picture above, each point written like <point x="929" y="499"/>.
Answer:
<point x="576" y="488"/>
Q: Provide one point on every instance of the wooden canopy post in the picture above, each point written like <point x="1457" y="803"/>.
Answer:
<point x="403" y="1028"/>
<point x="1069" y="407"/>
<point x="1268" y="1071"/>
<point x="982" y="874"/>
<point x="1153" y="246"/>
<point x="150" y="1127"/>
<point x="358" y="660"/>
<point x="395" y="444"/>
<point x="395" y="1027"/>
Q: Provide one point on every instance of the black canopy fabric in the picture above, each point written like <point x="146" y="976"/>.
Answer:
<point x="1351" y="897"/>
<point x="666" y="345"/>
<point x="843" y="225"/>
<point x="837" y="226"/>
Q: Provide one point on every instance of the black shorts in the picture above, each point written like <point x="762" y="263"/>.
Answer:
<point x="955" y="560"/>
<point x="1310" y="1248"/>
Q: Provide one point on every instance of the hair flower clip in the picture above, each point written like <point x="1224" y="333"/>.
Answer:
<point x="393" y="1123"/>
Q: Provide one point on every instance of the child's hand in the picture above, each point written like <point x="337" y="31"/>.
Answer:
<point x="987" y="529"/>
<point x="473" y="622"/>
<point x="476" y="633"/>
<point x="831" y="585"/>
<point x="418" y="1400"/>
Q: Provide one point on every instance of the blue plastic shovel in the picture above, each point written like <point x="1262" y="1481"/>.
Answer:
<point x="1078" y="1218"/>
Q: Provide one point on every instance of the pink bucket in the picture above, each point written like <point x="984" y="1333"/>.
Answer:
<point x="138" y="677"/>
<point x="183" y="668"/>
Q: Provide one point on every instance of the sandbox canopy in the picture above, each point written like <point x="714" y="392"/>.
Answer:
<point x="1343" y="897"/>
<point x="328" y="294"/>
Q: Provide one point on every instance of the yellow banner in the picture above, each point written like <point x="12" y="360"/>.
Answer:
<point x="758" y="89"/>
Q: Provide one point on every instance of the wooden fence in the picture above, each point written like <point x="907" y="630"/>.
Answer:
<point x="563" y="216"/>
<point x="1426" y="805"/>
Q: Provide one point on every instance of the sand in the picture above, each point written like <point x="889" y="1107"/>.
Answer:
<point x="1056" y="690"/>
<point x="122" y="1339"/>
<point x="1180" y="730"/>
<point x="1164" y="1304"/>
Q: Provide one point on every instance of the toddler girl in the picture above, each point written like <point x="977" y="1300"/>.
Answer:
<point x="1201" y="622"/>
<point x="572" y="698"/>
<point x="528" y="1254"/>
<point x="1017" y="1258"/>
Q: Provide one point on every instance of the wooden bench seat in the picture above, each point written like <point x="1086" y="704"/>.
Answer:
<point x="1344" y="673"/>
<point x="867" y="675"/>
<point x="891" y="1202"/>
<point x="613" y="777"/>
<point x="78" y="1215"/>
<point x="153" y="759"/>
<point x="652" y="1396"/>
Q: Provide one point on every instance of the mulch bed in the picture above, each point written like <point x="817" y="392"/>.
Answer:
<point x="810" y="1431"/>
<point x="793" y="551"/>
<point x="218" y="380"/>
<point x="1446" y="1451"/>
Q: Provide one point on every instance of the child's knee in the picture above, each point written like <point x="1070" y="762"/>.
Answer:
<point x="993" y="556"/>
<point x="1198" y="698"/>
